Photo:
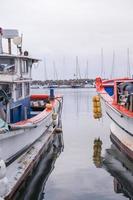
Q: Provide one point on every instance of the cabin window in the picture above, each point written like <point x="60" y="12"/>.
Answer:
<point x="7" y="88"/>
<point x="27" y="89"/>
<point x="18" y="90"/>
<point x="25" y="66"/>
<point x="7" y="65"/>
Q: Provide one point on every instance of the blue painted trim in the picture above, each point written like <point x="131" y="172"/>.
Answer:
<point x="109" y="90"/>
<point x="18" y="108"/>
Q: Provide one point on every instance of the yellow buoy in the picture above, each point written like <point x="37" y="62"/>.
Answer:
<point x="97" y="111"/>
<point x="97" y="98"/>
<point x="98" y="104"/>
<point x="94" y="109"/>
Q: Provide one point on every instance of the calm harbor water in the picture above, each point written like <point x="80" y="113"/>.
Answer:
<point x="83" y="171"/>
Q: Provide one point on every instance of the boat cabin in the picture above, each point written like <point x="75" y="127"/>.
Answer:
<point x="121" y="90"/>
<point x="15" y="79"/>
<point x="123" y="93"/>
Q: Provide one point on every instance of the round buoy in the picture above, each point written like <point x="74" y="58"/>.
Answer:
<point x="54" y="116"/>
<point x="49" y="106"/>
<point x="58" y="130"/>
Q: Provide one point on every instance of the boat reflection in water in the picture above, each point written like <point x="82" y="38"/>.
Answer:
<point x="34" y="188"/>
<point x="118" y="165"/>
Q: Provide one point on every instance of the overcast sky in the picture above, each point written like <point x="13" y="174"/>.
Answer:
<point x="60" y="30"/>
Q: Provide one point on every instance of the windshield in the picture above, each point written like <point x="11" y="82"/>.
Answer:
<point x="7" y="65"/>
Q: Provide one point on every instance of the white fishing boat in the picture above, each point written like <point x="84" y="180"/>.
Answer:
<point x="117" y="96"/>
<point x="23" y="117"/>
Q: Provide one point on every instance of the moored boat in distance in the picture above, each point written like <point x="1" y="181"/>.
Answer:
<point x="117" y="96"/>
<point x="24" y="118"/>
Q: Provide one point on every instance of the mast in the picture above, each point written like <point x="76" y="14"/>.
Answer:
<point x="113" y="66"/>
<point x="128" y="64"/>
<point x="102" y="65"/>
<point x="45" y="70"/>
<point x="55" y="71"/>
<point x="1" y="50"/>
<point x="87" y="70"/>
<point x="77" y="69"/>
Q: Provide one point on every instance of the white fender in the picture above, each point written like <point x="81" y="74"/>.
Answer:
<point x="55" y="122"/>
<point x="55" y="119"/>
<point x="54" y="116"/>
<point x="2" y="169"/>
<point x="4" y="187"/>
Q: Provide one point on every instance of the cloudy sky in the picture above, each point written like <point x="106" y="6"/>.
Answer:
<point x="60" y="30"/>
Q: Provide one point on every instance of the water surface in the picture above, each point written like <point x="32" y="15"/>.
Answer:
<point x="77" y="175"/>
<point x="83" y="171"/>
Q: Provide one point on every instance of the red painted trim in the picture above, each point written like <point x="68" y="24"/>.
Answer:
<point x="39" y="96"/>
<point x="112" y="101"/>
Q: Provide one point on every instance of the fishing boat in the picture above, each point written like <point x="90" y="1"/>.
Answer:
<point x="24" y="118"/>
<point x="117" y="96"/>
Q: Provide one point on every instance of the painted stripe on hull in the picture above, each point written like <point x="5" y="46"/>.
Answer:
<point x="125" y="123"/>
<point x="118" y="124"/>
<point x="121" y="146"/>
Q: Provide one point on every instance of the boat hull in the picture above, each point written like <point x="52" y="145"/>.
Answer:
<point x="124" y="122"/>
<point x="121" y="130"/>
<point x="122" y="140"/>
<point x="14" y="143"/>
<point x="118" y="106"/>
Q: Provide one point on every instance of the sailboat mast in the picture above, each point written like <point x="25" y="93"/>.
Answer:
<point x="87" y="70"/>
<point x="102" y="64"/>
<point x="55" y="71"/>
<point x="113" y="65"/>
<point x="1" y="50"/>
<point x="45" y="70"/>
<point x="78" y="75"/>
<point x="128" y="64"/>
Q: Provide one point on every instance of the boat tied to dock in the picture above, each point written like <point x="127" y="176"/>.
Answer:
<point x="24" y="118"/>
<point x="117" y="95"/>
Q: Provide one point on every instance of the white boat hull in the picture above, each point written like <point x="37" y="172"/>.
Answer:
<point x="121" y="130"/>
<point x="122" y="121"/>
<point x="13" y="142"/>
